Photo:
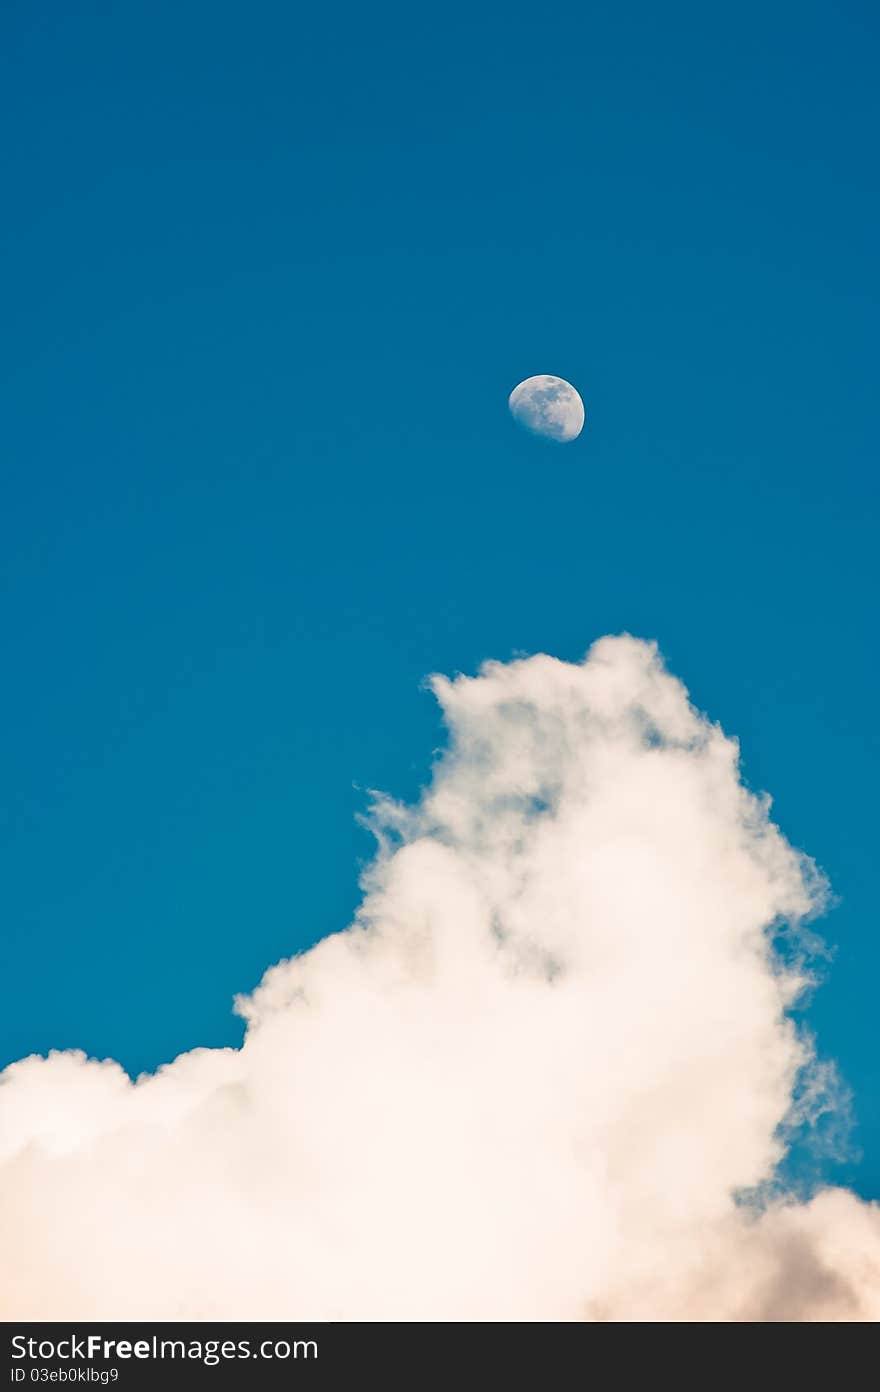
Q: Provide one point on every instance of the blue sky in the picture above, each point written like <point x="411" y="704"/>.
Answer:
<point x="269" y="276"/>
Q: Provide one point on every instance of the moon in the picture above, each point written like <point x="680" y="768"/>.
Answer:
<point x="548" y="406"/>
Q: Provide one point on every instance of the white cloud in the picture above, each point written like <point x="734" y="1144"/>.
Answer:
<point x="527" y="1083"/>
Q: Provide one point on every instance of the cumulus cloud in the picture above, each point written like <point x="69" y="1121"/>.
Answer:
<point x="548" y="1073"/>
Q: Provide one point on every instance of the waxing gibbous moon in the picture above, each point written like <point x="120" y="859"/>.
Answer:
<point x="548" y="406"/>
